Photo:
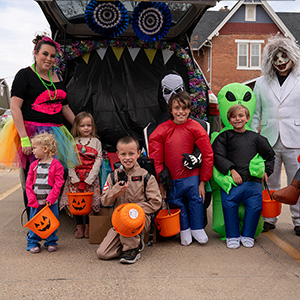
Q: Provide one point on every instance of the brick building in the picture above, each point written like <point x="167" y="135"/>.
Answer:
<point x="228" y="44"/>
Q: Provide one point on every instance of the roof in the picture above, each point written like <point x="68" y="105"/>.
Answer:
<point x="212" y="21"/>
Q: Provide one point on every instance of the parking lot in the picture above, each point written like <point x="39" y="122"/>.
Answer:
<point x="168" y="270"/>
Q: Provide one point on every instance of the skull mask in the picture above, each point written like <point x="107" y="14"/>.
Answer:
<point x="171" y="84"/>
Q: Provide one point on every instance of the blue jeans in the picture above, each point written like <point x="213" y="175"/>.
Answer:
<point x="189" y="187"/>
<point x="32" y="238"/>
<point x="250" y="193"/>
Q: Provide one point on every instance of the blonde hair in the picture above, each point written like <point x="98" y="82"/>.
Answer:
<point x="75" y="128"/>
<point x="234" y="108"/>
<point x="46" y="139"/>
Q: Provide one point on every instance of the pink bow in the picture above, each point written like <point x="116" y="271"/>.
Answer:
<point x="47" y="39"/>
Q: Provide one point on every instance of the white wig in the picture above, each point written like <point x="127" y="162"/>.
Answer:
<point x="275" y="44"/>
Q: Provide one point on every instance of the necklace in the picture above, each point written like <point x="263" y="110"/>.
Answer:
<point x="46" y="85"/>
<point x="83" y="149"/>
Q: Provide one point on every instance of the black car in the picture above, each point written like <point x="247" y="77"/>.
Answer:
<point x="115" y="74"/>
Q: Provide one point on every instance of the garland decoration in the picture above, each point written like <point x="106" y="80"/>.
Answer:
<point x="151" y="21"/>
<point x="197" y="85"/>
<point x="107" y="18"/>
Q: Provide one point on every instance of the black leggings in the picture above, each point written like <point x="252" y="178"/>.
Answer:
<point x="80" y="220"/>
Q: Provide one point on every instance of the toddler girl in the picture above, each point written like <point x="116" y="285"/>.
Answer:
<point x="43" y="185"/>
<point x="84" y="177"/>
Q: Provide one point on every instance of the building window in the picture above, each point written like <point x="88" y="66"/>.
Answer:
<point x="250" y="13"/>
<point x="249" y="54"/>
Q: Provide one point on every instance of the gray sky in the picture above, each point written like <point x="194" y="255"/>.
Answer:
<point x="20" y="20"/>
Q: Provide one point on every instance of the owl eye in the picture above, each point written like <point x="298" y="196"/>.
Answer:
<point x="247" y="96"/>
<point x="230" y="96"/>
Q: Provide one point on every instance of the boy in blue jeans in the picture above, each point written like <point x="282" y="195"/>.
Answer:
<point x="233" y="151"/>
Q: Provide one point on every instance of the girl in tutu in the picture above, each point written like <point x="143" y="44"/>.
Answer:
<point x="84" y="177"/>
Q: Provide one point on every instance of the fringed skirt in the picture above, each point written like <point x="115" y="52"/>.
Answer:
<point x="11" y="154"/>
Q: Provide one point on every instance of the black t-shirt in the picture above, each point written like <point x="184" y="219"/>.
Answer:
<point x="37" y="105"/>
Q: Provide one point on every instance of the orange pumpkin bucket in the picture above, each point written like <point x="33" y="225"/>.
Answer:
<point x="128" y="219"/>
<point x="80" y="203"/>
<point x="44" y="223"/>
<point x="270" y="208"/>
<point x="168" y="224"/>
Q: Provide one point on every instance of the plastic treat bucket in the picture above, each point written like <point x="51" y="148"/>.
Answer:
<point x="168" y="224"/>
<point x="44" y="223"/>
<point x="128" y="219"/>
<point x="80" y="203"/>
<point x="270" y="208"/>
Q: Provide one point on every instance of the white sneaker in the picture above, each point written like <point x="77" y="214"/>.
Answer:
<point x="233" y="243"/>
<point x="186" y="237"/>
<point x="247" y="242"/>
<point x="200" y="236"/>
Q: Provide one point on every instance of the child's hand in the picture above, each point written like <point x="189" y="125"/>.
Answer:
<point x="202" y="190"/>
<point x="236" y="177"/>
<point x="265" y="177"/>
<point x="124" y="186"/>
<point x="47" y="202"/>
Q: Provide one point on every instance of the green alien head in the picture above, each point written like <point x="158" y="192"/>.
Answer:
<point x="232" y="94"/>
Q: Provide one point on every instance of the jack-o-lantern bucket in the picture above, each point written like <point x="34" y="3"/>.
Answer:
<point x="168" y="224"/>
<point x="128" y="219"/>
<point x="80" y="203"/>
<point x="270" y="208"/>
<point x="43" y="223"/>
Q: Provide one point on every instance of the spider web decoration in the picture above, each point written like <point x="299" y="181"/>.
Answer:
<point x="151" y="21"/>
<point x="108" y="18"/>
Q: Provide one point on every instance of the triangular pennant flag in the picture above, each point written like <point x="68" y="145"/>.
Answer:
<point x="101" y="52"/>
<point x="118" y="52"/>
<point x="86" y="57"/>
<point x="150" y="54"/>
<point x="167" y="55"/>
<point x="134" y="52"/>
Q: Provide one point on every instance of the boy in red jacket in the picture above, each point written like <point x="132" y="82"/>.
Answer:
<point x="167" y="144"/>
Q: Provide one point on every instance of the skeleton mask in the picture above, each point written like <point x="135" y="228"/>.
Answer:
<point x="171" y="84"/>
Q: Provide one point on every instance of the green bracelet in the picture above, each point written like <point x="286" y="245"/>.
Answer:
<point x="25" y="142"/>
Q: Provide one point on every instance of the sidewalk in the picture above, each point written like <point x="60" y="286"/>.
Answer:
<point x="165" y="271"/>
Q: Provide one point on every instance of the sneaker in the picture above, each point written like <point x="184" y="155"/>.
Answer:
<point x="233" y="243"/>
<point x="200" y="236"/>
<point x="51" y="248"/>
<point x="35" y="250"/>
<point x="268" y="226"/>
<point x="297" y="230"/>
<point x="247" y="242"/>
<point x="130" y="256"/>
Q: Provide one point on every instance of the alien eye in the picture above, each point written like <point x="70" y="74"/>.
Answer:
<point x="247" y="96"/>
<point x="230" y="97"/>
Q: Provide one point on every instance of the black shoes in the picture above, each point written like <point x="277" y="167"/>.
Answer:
<point x="269" y="226"/>
<point x="130" y="256"/>
<point x="297" y="230"/>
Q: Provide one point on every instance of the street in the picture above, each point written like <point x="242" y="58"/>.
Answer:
<point x="168" y="270"/>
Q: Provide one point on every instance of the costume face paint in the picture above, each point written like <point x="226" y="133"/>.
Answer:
<point x="171" y="84"/>
<point x="282" y="63"/>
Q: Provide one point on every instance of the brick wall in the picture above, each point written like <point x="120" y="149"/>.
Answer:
<point x="224" y="60"/>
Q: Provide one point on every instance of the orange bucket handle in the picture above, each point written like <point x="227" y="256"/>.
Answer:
<point x="267" y="187"/>
<point x="22" y="215"/>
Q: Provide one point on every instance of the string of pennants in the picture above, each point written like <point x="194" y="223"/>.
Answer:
<point x="150" y="21"/>
<point x="118" y="51"/>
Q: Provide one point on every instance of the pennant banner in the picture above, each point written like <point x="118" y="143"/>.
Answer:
<point x="101" y="52"/>
<point x="167" y="55"/>
<point x="86" y="57"/>
<point x="150" y="54"/>
<point x="133" y="52"/>
<point x="118" y="51"/>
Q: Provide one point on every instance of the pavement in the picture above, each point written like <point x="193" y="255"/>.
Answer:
<point x="269" y="270"/>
